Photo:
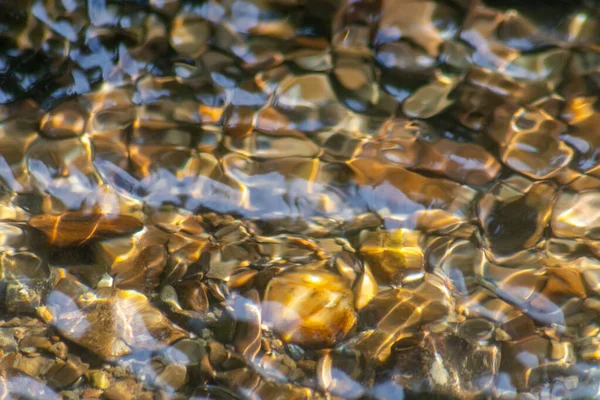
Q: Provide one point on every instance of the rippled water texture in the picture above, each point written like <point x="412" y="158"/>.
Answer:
<point x="299" y="199"/>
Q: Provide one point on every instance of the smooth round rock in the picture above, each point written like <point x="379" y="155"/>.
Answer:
<point x="189" y="35"/>
<point x="311" y="307"/>
<point x="173" y="377"/>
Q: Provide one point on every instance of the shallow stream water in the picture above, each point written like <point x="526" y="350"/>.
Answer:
<point x="299" y="199"/>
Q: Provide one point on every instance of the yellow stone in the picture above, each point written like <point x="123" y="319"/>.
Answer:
<point x="394" y="255"/>
<point x="313" y="307"/>
<point x="100" y="379"/>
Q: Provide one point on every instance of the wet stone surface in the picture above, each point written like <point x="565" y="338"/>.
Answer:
<point x="284" y="199"/>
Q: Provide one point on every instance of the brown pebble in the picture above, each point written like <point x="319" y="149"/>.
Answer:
<point x="173" y="377"/>
<point x="64" y="121"/>
<point x="91" y="393"/>
<point x="76" y="228"/>
<point x="297" y="375"/>
<point x="147" y="396"/>
<point x="119" y="372"/>
<point x="308" y="366"/>
<point x="63" y="374"/>
<point x="217" y="353"/>
<point x="59" y="349"/>
<point x="122" y="390"/>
